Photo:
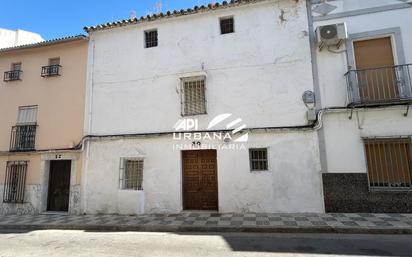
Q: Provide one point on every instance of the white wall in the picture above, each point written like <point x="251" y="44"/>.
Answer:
<point x="343" y="137"/>
<point x="10" y="38"/>
<point x="355" y="5"/>
<point x="250" y="73"/>
<point x="292" y="183"/>
<point x="344" y="145"/>
<point x="332" y="67"/>
<point x="257" y="73"/>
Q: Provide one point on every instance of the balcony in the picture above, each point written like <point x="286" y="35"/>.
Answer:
<point x="379" y="86"/>
<point x="23" y="138"/>
<point x="50" y="71"/>
<point x="12" y="75"/>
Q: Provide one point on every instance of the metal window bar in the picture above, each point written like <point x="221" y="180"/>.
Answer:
<point x="15" y="182"/>
<point x="389" y="163"/>
<point x="132" y="175"/>
<point x="50" y="70"/>
<point x="12" y="75"/>
<point x="23" y="138"/>
<point x="379" y="85"/>
<point x="258" y="159"/>
<point x="227" y="25"/>
<point x="151" y="38"/>
<point x="193" y="97"/>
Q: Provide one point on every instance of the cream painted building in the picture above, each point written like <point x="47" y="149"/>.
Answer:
<point x="41" y="125"/>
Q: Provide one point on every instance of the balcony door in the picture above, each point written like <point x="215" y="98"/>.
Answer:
<point x="376" y="73"/>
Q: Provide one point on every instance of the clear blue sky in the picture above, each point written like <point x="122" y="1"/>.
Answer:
<point x="58" y="18"/>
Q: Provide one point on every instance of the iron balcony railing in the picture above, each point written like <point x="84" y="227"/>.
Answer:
<point x="51" y="70"/>
<point x="383" y="85"/>
<point x="23" y="138"/>
<point x="12" y="75"/>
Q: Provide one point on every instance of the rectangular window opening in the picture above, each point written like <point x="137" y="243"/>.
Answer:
<point x="258" y="159"/>
<point x="389" y="163"/>
<point x="227" y="25"/>
<point x="193" y="96"/>
<point x="132" y="174"/>
<point x="15" y="182"/>
<point x="151" y="39"/>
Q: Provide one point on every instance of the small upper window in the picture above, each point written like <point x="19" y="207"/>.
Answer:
<point x="227" y="25"/>
<point x="151" y="38"/>
<point x="16" y="66"/>
<point x="14" y="73"/>
<point x="54" y="61"/>
<point x="53" y="69"/>
<point x="258" y="158"/>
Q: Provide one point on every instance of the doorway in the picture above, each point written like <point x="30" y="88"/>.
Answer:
<point x="59" y="186"/>
<point x="200" y="187"/>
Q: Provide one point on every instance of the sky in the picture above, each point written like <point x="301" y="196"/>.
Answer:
<point x="59" y="18"/>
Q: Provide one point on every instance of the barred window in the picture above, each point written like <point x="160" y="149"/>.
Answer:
<point x="15" y="182"/>
<point x="131" y="174"/>
<point x="258" y="159"/>
<point x="151" y="38"/>
<point x="227" y="25"/>
<point x="389" y="163"/>
<point x="193" y="96"/>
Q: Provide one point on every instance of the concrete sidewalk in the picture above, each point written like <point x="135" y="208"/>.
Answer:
<point x="220" y="222"/>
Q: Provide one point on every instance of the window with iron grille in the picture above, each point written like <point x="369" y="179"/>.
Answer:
<point x="193" y="96"/>
<point x="258" y="159"/>
<point x="227" y="25"/>
<point x="151" y="38"/>
<point x="15" y="182"/>
<point x="131" y="177"/>
<point x="389" y="163"/>
<point x="14" y="73"/>
<point x="23" y="134"/>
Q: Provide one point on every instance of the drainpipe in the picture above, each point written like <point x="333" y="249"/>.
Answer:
<point x="88" y="121"/>
<point x="316" y="87"/>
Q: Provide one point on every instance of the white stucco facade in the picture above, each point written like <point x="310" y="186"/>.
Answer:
<point x="343" y="148"/>
<point x="258" y="73"/>
<point x="10" y="38"/>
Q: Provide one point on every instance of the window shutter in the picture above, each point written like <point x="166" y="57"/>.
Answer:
<point x="27" y="115"/>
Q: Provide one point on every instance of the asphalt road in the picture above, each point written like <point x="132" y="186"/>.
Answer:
<point x="82" y="243"/>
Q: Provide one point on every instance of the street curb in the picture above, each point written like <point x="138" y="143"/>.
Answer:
<point x="211" y="229"/>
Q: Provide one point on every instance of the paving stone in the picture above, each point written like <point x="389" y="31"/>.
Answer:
<point x="357" y="220"/>
<point x="319" y="223"/>
<point x="290" y="223"/>
<point x="350" y="223"/>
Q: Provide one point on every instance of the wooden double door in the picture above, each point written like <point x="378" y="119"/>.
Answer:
<point x="59" y="185"/>
<point x="200" y="187"/>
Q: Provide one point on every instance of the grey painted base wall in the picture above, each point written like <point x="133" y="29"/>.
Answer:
<point x="35" y="201"/>
<point x="349" y="192"/>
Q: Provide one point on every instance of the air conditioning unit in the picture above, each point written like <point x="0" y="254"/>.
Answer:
<point x="331" y="35"/>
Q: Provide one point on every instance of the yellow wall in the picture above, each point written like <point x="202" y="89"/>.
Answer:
<point x="60" y="99"/>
